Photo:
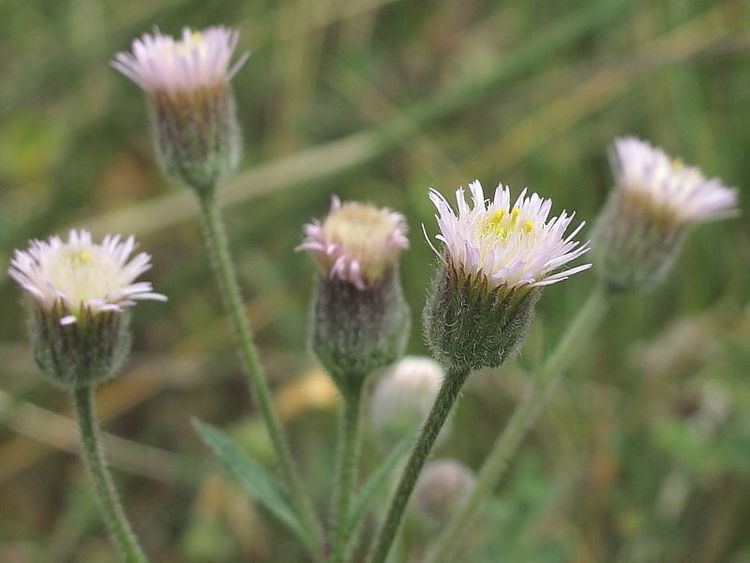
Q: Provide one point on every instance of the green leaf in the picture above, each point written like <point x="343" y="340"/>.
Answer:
<point x="253" y="477"/>
<point x="374" y="483"/>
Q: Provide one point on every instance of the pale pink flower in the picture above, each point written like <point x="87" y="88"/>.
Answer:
<point x="508" y="245"/>
<point x="159" y="63"/>
<point x="356" y="242"/>
<point x="83" y="276"/>
<point x="667" y="187"/>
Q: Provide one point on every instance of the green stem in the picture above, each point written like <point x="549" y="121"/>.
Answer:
<point x="114" y="515"/>
<point x="221" y="261"/>
<point x="449" y="392"/>
<point x="526" y="413"/>
<point x="350" y="443"/>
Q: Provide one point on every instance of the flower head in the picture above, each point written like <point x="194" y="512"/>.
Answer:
<point x="667" y="188"/>
<point x="656" y="199"/>
<point x="496" y="257"/>
<point x="357" y="243"/>
<point x="161" y="64"/>
<point x="80" y="291"/>
<point x="82" y="277"/>
<point x="509" y="246"/>
<point x="195" y="129"/>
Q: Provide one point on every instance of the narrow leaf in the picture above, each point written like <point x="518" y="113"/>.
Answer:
<point x="252" y="476"/>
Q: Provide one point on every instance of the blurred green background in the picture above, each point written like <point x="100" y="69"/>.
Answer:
<point x="644" y="454"/>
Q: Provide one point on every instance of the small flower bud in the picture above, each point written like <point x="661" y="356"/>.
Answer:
<point x="442" y="487"/>
<point x="490" y="274"/>
<point x="403" y="398"/>
<point x="79" y="293"/>
<point x="641" y="228"/>
<point x="196" y="134"/>
<point x="360" y="320"/>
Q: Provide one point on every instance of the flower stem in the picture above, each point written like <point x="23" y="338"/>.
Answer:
<point x="449" y="392"/>
<point x="524" y="416"/>
<point x="350" y="443"/>
<point x="117" y="522"/>
<point x="223" y="266"/>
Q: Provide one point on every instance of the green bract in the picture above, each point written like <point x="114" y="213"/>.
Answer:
<point x="633" y="250"/>
<point x="76" y="355"/>
<point x="196" y="136"/>
<point x="470" y="324"/>
<point x="355" y="331"/>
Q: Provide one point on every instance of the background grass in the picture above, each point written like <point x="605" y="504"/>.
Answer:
<point x="643" y="456"/>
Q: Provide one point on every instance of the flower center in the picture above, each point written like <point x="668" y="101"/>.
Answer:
<point x="689" y="173"/>
<point x="80" y="258"/>
<point x="194" y="40"/>
<point x="500" y="224"/>
<point x="83" y="274"/>
<point x="364" y="234"/>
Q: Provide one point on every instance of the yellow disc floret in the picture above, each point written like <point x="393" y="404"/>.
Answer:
<point x="501" y="224"/>
<point x="80" y="257"/>
<point x="83" y="274"/>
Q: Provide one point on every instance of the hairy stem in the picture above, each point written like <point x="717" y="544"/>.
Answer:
<point x="349" y="448"/>
<point x="226" y="276"/>
<point x="449" y="392"/>
<point x="117" y="522"/>
<point x="523" y="418"/>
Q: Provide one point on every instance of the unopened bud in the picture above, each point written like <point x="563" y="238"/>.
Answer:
<point x="403" y="397"/>
<point x="442" y="487"/>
